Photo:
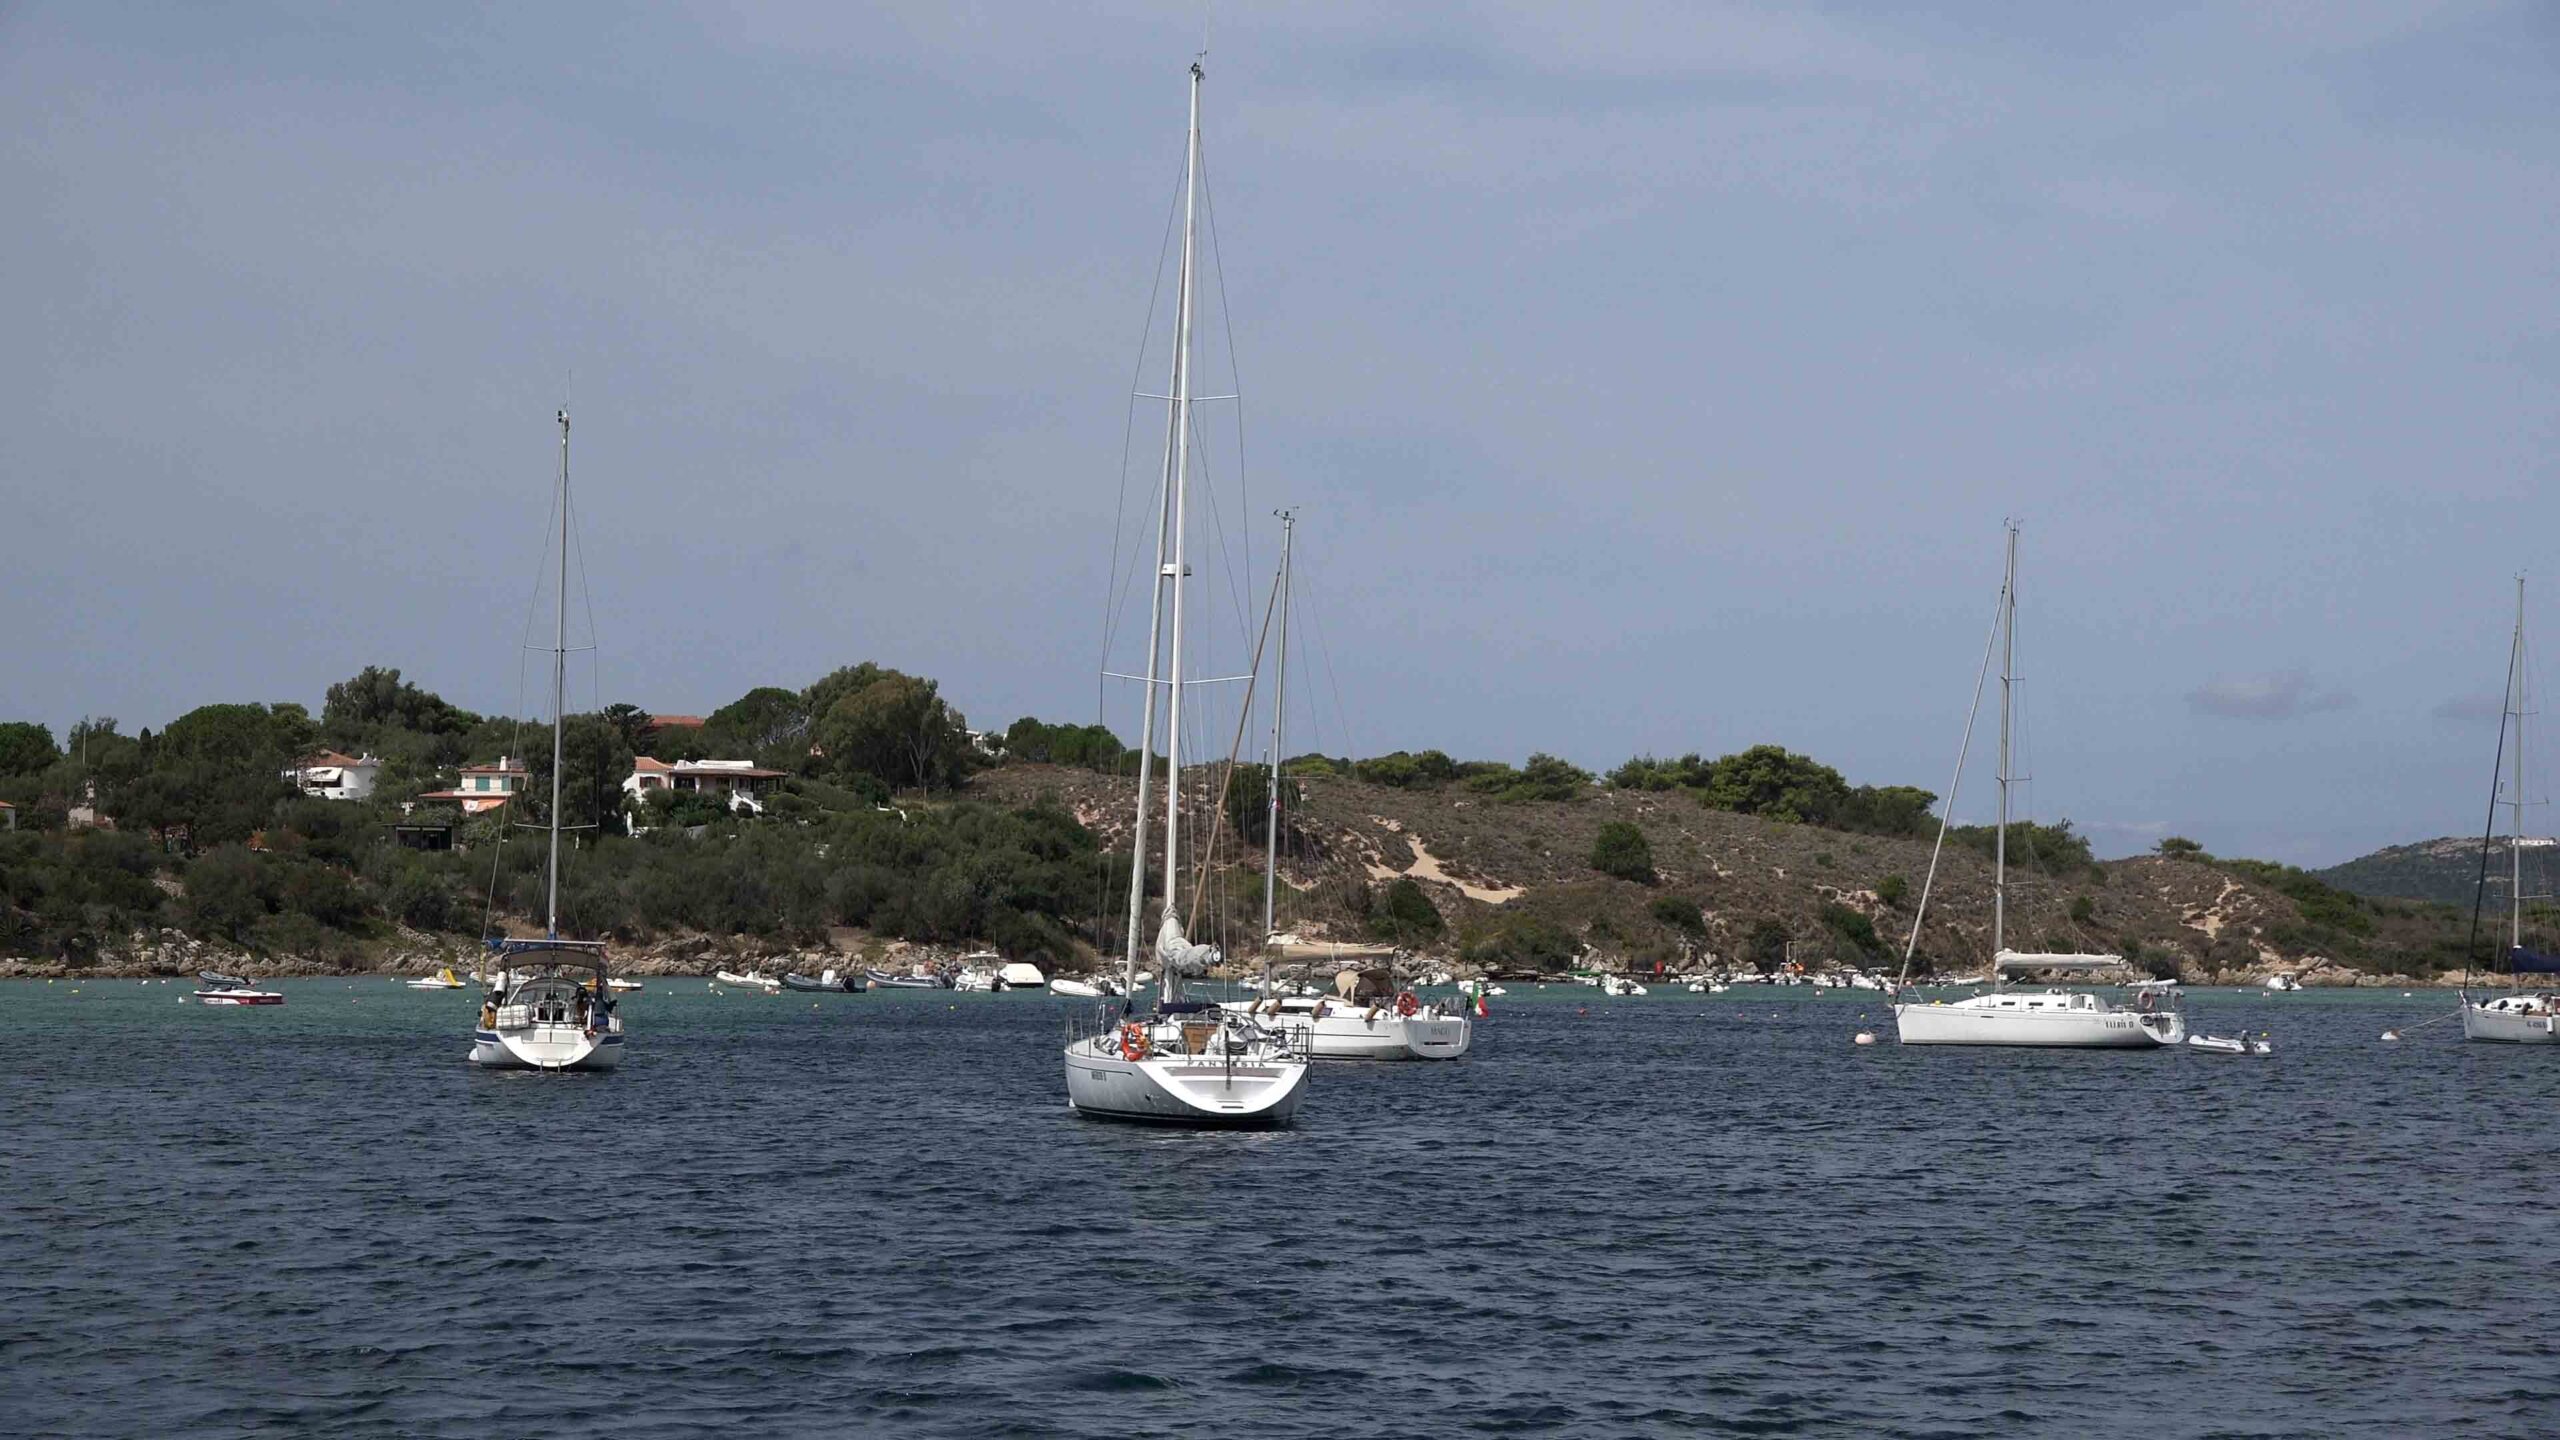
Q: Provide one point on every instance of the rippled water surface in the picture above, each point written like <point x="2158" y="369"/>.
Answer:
<point x="1678" y="1214"/>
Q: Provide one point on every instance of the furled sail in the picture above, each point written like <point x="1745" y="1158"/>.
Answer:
<point x="2016" y="960"/>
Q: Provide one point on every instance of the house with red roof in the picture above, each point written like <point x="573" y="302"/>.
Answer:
<point x="481" y="788"/>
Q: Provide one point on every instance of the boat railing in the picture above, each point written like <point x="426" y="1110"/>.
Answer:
<point x="1200" y="1034"/>
<point x="525" y="1017"/>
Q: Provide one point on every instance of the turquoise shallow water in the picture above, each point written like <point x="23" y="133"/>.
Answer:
<point x="1677" y="1214"/>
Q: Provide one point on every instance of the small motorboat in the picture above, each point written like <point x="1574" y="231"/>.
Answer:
<point x="620" y="986"/>
<point x="1082" y="989"/>
<point x="1617" y="987"/>
<point x="443" y="979"/>
<point x="883" y="980"/>
<point x="238" y="992"/>
<point x="2231" y="1044"/>
<point x="827" y="982"/>
<point x="765" y="983"/>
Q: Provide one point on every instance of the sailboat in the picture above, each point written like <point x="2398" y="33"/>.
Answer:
<point x="1190" y="1062"/>
<point x="1368" y="1016"/>
<point x="2518" y="1017"/>
<point x="2054" y="1018"/>
<point x="550" y="1005"/>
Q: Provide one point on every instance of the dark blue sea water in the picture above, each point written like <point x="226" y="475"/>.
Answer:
<point x="830" y="1215"/>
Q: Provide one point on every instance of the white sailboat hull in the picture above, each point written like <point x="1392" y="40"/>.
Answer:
<point x="2046" y="1029"/>
<point x="1181" y="1089"/>
<point x="546" y="1047"/>
<point x="2509" y="1027"/>
<point x="1346" y="1033"/>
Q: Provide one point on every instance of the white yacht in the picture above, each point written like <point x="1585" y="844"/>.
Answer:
<point x="546" y="1014"/>
<point x="2059" y="1019"/>
<point x="2521" y="1016"/>
<point x="1189" y="1063"/>
<point x="1367" y="1015"/>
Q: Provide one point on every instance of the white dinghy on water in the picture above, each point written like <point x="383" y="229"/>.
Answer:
<point x="1189" y="1063"/>
<point x="552" y="1006"/>
<point x="2521" y="1016"/>
<point x="2046" y="1019"/>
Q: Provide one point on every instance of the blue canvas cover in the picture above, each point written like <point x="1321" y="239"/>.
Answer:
<point x="2532" y="962"/>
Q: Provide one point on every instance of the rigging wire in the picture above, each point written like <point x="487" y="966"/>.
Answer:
<point x="524" y="648"/>
<point x="1115" y="594"/>
<point x="1227" y="331"/>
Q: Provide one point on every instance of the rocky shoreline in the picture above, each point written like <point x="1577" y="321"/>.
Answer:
<point x="152" y="954"/>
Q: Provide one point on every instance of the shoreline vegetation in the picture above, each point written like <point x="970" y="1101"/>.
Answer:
<point x="881" y="830"/>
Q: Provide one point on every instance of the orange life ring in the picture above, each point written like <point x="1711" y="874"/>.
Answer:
<point x="1133" y="1042"/>
<point x="1407" y="1003"/>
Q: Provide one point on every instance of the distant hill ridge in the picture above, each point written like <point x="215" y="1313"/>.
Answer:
<point x="2445" y="871"/>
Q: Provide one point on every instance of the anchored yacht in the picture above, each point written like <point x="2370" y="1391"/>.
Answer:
<point x="2060" y="1019"/>
<point x="551" y="1005"/>
<point x="2521" y="1016"/>
<point x="1190" y="1062"/>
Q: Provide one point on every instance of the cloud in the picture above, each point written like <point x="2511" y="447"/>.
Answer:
<point x="2281" y="696"/>
<point x="2472" y="708"/>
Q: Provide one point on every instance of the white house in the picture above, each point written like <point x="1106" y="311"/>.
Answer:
<point x="744" y="782"/>
<point x="332" y="776"/>
<point x="483" y="787"/>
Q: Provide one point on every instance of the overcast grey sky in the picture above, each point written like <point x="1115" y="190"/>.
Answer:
<point x="1653" y="377"/>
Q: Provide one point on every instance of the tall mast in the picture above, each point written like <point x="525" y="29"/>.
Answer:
<point x="2000" y="845"/>
<point x="1181" y="482"/>
<point x="559" y="675"/>
<point x="2515" y="797"/>
<point x="1279" y="704"/>
<point x="1147" y="725"/>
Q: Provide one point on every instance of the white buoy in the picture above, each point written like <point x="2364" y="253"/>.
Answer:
<point x="1866" y="1037"/>
<point x="2390" y="1034"/>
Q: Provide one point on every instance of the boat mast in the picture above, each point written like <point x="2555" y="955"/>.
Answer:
<point x="1279" y="703"/>
<point x="1165" y="571"/>
<point x="559" y="675"/>
<point x="2515" y="797"/>
<point x="2000" y="844"/>
<point x="1175" y="569"/>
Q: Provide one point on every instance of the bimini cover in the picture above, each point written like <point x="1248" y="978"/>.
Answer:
<point x="2532" y="962"/>
<point x="1178" y="955"/>
<point x="1361" y="986"/>
<point x="1022" y="973"/>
